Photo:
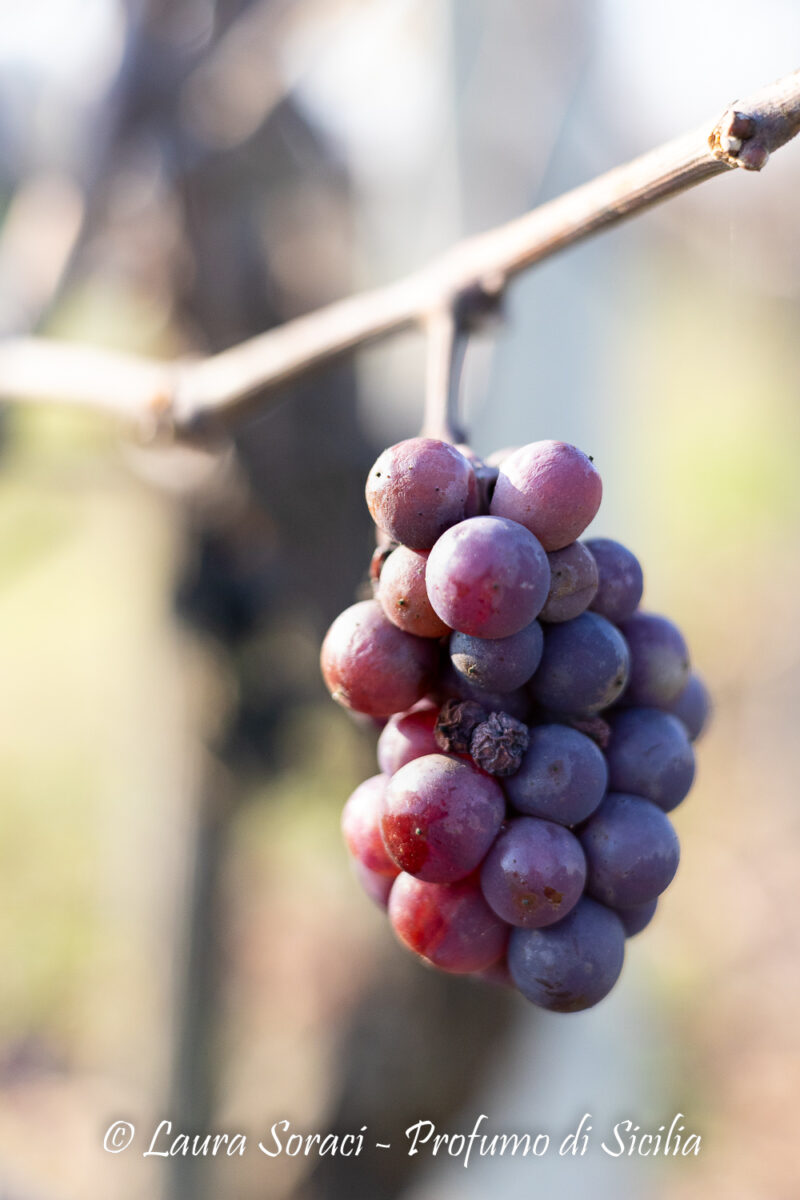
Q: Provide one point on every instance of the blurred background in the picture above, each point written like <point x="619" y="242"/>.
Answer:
<point x="179" y="932"/>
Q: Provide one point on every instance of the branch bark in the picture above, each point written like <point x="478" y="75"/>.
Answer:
<point x="187" y="395"/>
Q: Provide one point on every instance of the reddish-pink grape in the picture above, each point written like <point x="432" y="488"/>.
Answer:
<point x="487" y="577"/>
<point x="361" y="825"/>
<point x="534" y="873"/>
<point x="403" y="595"/>
<point x="419" y="488"/>
<point x="373" y="667"/>
<point x="551" y="488"/>
<point x="407" y="736"/>
<point x="441" y="817"/>
<point x="449" y="925"/>
<point x="573" y="583"/>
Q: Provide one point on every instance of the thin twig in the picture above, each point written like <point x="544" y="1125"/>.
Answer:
<point x="192" y="393"/>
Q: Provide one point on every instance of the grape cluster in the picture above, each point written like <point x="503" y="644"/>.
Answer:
<point x="536" y="726"/>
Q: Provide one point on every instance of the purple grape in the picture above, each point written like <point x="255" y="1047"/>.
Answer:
<point x="692" y="707"/>
<point x="407" y="736"/>
<point x="534" y="873"/>
<point x="659" y="660"/>
<point x="584" y="666"/>
<point x="572" y="965"/>
<point x="636" y="918"/>
<point x="650" y="755"/>
<point x="551" y="488"/>
<point x="370" y="665"/>
<point x="631" y="851"/>
<point x="441" y="816"/>
<point x="361" y="825"/>
<point x="419" y="488"/>
<point x="449" y="925"/>
<point x="403" y="597"/>
<point x="621" y="582"/>
<point x="376" y="885"/>
<point x="498" y="664"/>
<point x="563" y="776"/>
<point x="487" y="577"/>
<point x="573" y="583"/>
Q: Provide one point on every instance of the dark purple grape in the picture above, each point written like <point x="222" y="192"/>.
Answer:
<point x="584" y="666"/>
<point x="631" y="851"/>
<point x="407" y="736"/>
<point x="692" y="706"/>
<point x="419" y="488"/>
<point x="551" y="488"/>
<point x="403" y="596"/>
<point x="487" y="577"/>
<point x="563" y="776"/>
<point x="650" y="755"/>
<point x="573" y="583"/>
<point x="621" y="582"/>
<point x="373" y="667"/>
<point x="376" y="885"/>
<point x="659" y="660"/>
<point x="441" y="817"/>
<point x="361" y="825"/>
<point x="449" y="925"/>
<point x="534" y="873"/>
<point x="498" y="664"/>
<point x="636" y="918"/>
<point x="572" y="965"/>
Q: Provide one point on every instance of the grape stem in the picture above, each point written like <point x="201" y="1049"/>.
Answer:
<point x="191" y="397"/>
<point x="446" y="343"/>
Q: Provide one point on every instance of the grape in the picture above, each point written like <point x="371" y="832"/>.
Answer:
<point x="419" y="488"/>
<point x="649" y="755"/>
<point x="372" y="666"/>
<point x="374" y="883"/>
<point x="407" y="736"/>
<point x="534" y="873"/>
<point x="636" y="918"/>
<point x="449" y="925"/>
<point x="441" y="817"/>
<point x="361" y="825"/>
<point x="403" y="597"/>
<point x="551" y="488"/>
<point x="572" y="965"/>
<point x="487" y="577"/>
<point x="498" y="744"/>
<point x="659" y="660"/>
<point x="620" y="580"/>
<point x="563" y="776"/>
<point x="486" y="476"/>
<point x="498" y="664"/>
<point x="456" y="723"/>
<point x="692" y="706"/>
<point x="584" y="666"/>
<point x="631" y="851"/>
<point x="573" y="583"/>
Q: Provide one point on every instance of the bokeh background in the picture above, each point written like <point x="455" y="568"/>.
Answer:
<point x="179" y="934"/>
